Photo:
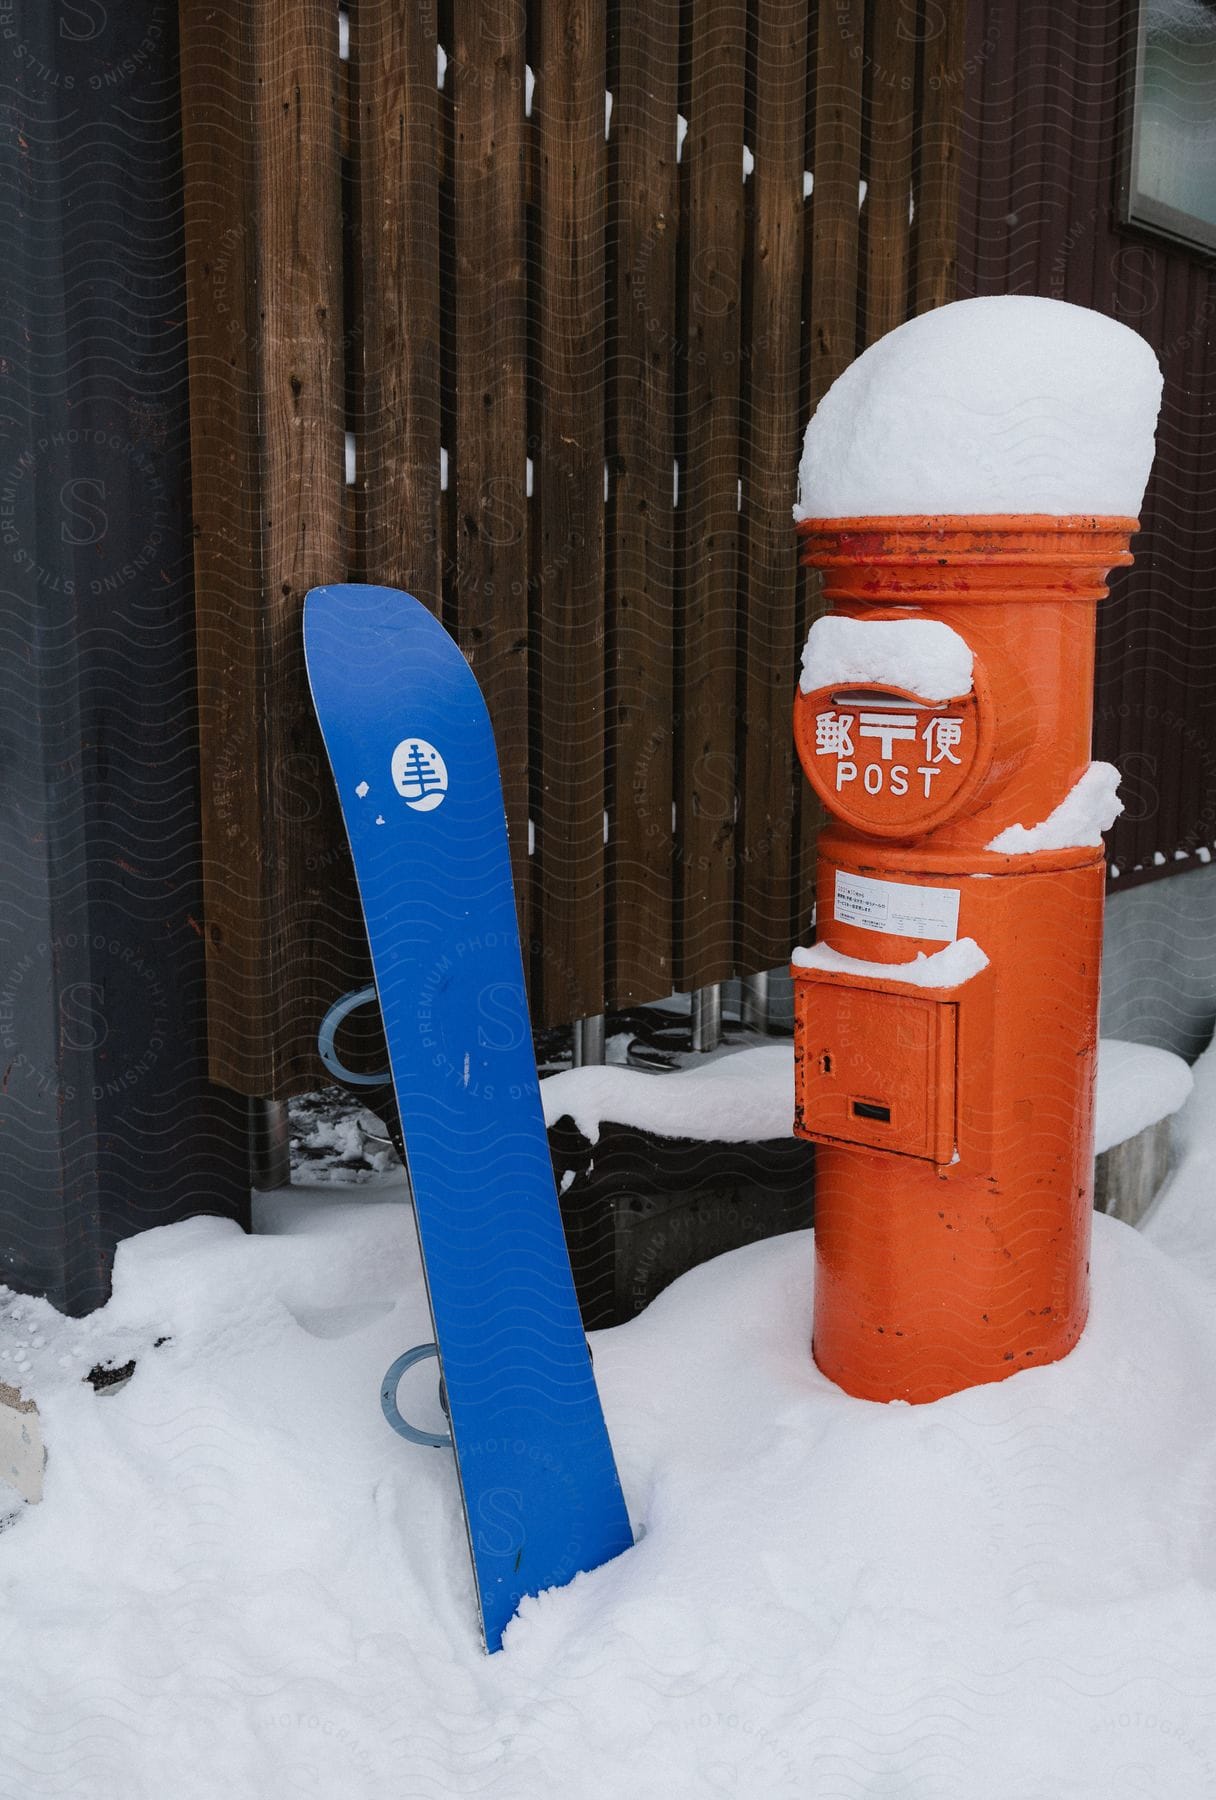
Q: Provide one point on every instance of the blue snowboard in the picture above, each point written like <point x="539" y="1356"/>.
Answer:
<point x="413" y="756"/>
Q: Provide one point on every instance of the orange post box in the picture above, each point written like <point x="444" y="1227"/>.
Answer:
<point x="946" y="1017"/>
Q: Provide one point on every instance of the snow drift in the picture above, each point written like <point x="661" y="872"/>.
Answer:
<point x="241" y="1583"/>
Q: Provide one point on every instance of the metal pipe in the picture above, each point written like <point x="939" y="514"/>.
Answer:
<point x="589" y="1041"/>
<point x="755" y="1004"/>
<point x="707" y="1017"/>
<point x="269" y="1145"/>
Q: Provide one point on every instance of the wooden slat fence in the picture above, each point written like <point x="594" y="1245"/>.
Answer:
<point x="644" y="49"/>
<point x="575" y="342"/>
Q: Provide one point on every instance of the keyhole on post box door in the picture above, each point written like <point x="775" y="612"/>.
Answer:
<point x="825" y="1063"/>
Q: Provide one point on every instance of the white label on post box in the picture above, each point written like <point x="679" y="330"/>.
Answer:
<point x="897" y="907"/>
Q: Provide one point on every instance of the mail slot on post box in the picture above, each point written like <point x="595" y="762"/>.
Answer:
<point x="946" y="1014"/>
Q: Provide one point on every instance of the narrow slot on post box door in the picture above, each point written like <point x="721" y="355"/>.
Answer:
<point x="867" y="1109"/>
<point x="875" y="1069"/>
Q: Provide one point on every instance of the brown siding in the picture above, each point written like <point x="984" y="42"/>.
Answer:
<point x="260" y="93"/>
<point x="643" y="228"/>
<point x="1047" y="92"/>
<point x="772" y="418"/>
<point x="488" y="591"/>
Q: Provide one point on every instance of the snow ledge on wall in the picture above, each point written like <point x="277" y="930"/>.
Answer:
<point x="1090" y="807"/>
<point x="949" y="967"/>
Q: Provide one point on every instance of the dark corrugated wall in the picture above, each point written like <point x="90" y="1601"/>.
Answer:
<point x="108" y="1125"/>
<point x="1047" y="91"/>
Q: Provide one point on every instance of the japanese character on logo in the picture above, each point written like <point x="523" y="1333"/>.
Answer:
<point x="939" y="735"/>
<point x="832" y="733"/>
<point x="888" y="728"/>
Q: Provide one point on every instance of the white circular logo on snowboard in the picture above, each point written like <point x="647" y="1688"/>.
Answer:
<point x="420" y="774"/>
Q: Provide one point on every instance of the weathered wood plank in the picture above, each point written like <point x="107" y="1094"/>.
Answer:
<point x="891" y="91"/>
<point x="998" y="161"/>
<point x="568" y="557"/>
<point x="313" y="952"/>
<point x="939" y="134"/>
<point x="221" y="255"/>
<point x="833" y="256"/>
<point x="643" y="228"/>
<point x="485" y="77"/>
<point x="834" y="243"/>
<point x="771" y="416"/>
<point x="264" y="284"/>
<point x="707" y="766"/>
<point x="397" y="151"/>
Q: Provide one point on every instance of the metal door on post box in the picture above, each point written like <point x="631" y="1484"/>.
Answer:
<point x="875" y="1069"/>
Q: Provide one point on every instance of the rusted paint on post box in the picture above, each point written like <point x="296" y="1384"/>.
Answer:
<point x="954" y="1123"/>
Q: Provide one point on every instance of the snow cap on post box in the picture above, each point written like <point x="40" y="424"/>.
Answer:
<point x="1007" y="404"/>
<point x="924" y="656"/>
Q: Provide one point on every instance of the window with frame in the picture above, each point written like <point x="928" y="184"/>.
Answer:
<point x="1171" y="178"/>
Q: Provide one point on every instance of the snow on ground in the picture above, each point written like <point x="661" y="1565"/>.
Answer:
<point x="241" y="1584"/>
<point x="1006" y="404"/>
<point x="333" y="1141"/>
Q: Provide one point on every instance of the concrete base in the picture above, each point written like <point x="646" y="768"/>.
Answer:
<point x="21" y="1453"/>
<point x="1127" y="1177"/>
